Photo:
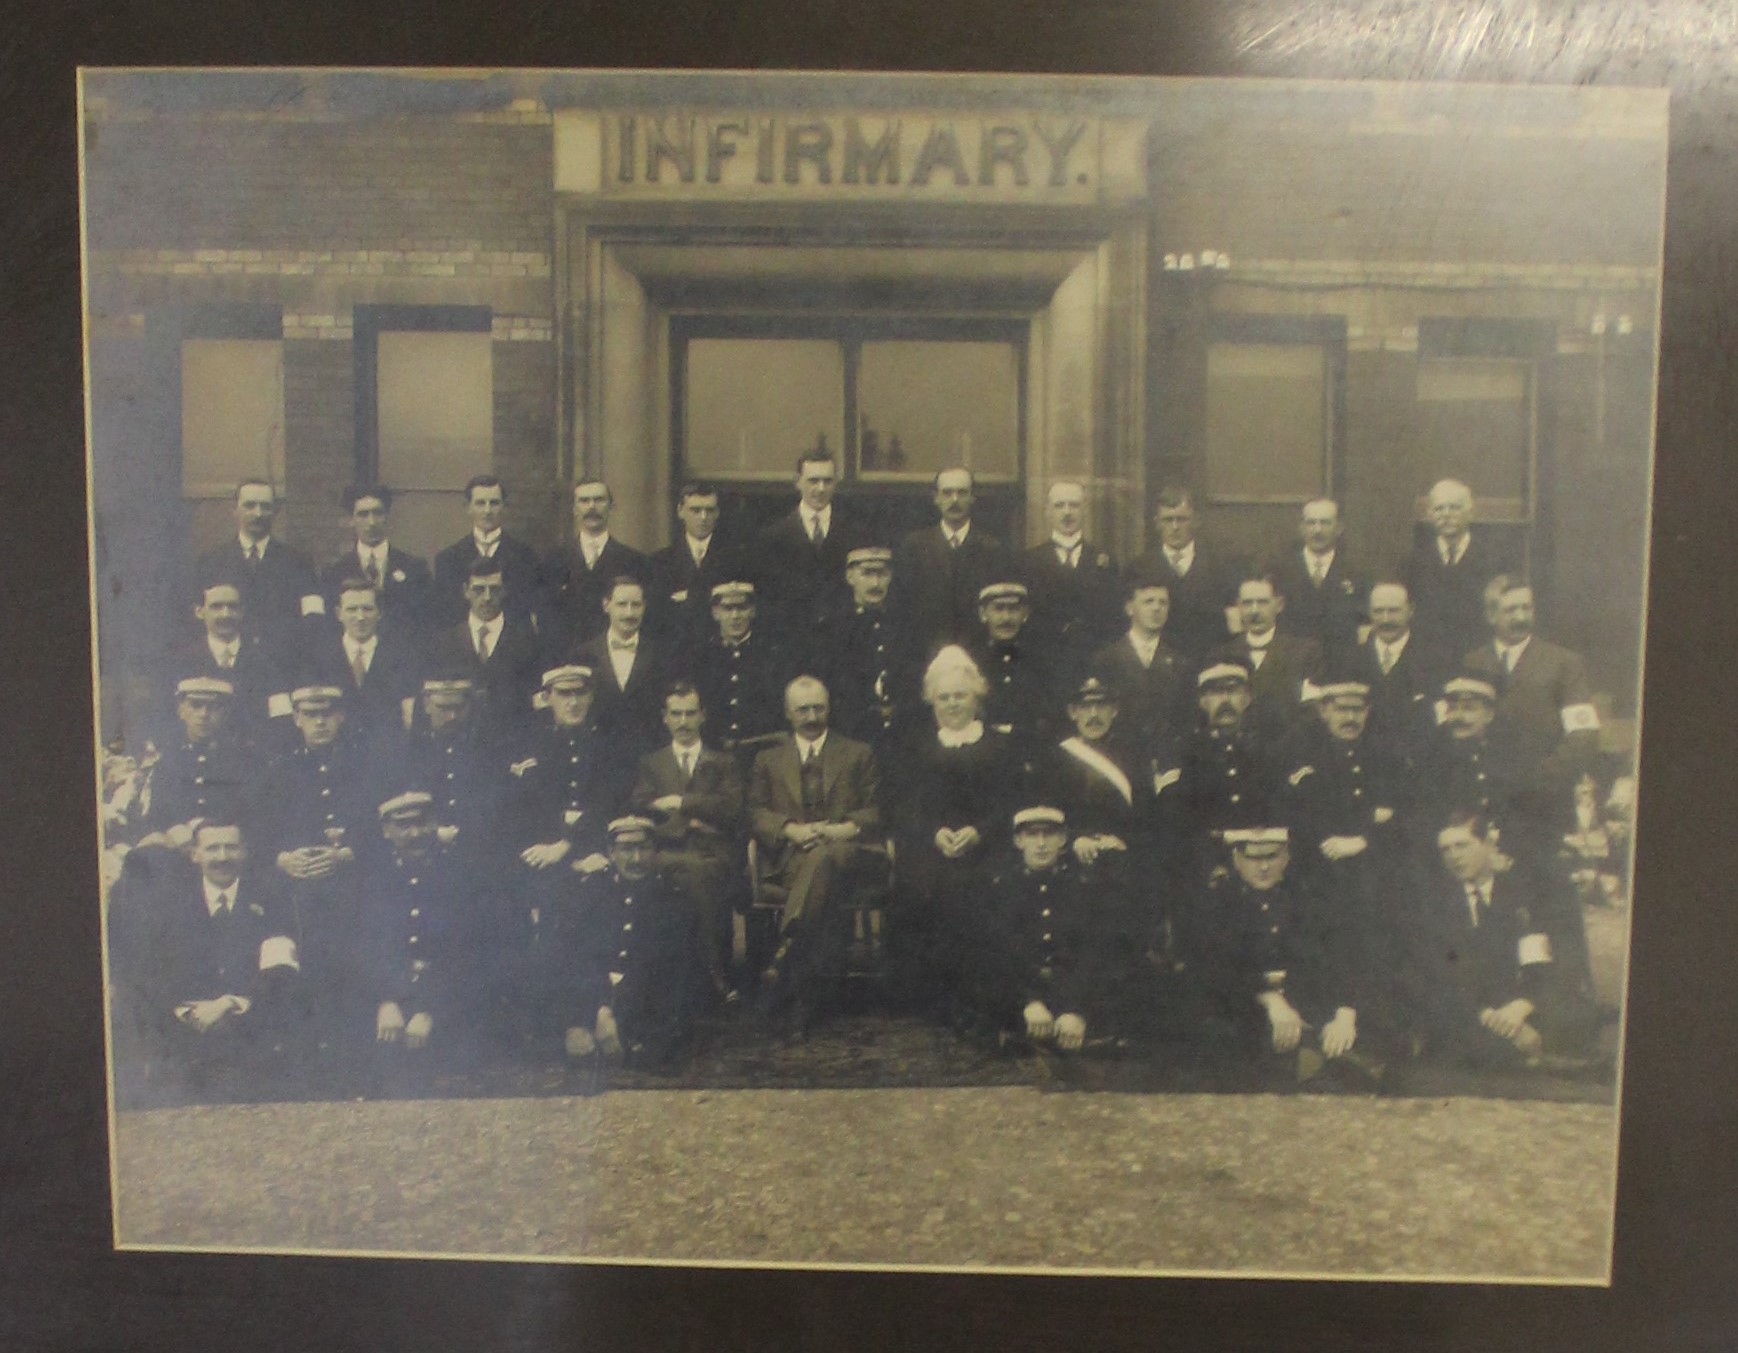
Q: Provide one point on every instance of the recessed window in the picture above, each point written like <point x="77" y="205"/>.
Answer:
<point x="1476" y="424"/>
<point x="232" y="414"/>
<point x="925" y="406"/>
<point x="1269" y="421"/>
<point x="436" y="408"/>
<point x="754" y="403"/>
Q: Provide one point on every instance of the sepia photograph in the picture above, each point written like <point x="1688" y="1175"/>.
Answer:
<point x="970" y="673"/>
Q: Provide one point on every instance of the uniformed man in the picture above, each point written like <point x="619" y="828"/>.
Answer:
<point x="569" y="779"/>
<point x="622" y="949"/>
<point x="1023" y="697"/>
<point x="1049" y="957"/>
<point x="205" y="773"/>
<point x="871" y="658"/>
<point x="1220" y="777"/>
<point x="451" y="754"/>
<point x="313" y="816"/>
<point x="425" y="922"/>
<point x="1345" y="802"/>
<point x="1470" y="763"/>
<point x="1270" y="969"/>
<point x="1106" y="791"/>
<point x="741" y="675"/>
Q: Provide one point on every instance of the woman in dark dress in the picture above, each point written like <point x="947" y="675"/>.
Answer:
<point x="950" y="814"/>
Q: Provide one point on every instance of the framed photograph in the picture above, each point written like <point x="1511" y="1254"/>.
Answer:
<point x="1017" y="674"/>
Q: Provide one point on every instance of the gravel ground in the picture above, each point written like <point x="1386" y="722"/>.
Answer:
<point x="1001" y="1176"/>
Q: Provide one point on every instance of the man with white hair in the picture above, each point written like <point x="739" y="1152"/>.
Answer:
<point x="1447" y="575"/>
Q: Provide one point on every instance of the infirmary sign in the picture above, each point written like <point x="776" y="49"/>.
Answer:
<point x="1013" y="156"/>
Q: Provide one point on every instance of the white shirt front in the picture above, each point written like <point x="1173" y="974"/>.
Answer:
<point x="1067" y="549"/>
<point x="1510" y="654"/>
<point x="361" y="651"/>
<point x="216" y="898"/>
<point x="1181" y="560"/>
<point x="1317" y="565"/>
<point x="1389" y="653"/>
<point x="956" y="538"/>
<point x="487" y="541"/>
<point x="224" y="654"/>
<point x="592" y="546"/>
<point x="1452" y="555"/>
<point x="686" y="759"/>
<point x="824" y="516"/>
<point x="806" y="750"/>
<point x="1145" y="649"/>
<point x="622" y="653"/>
<point x="697" y="549"/>
<point x="371" y="554"/>
<point x="1478" y="897"/>
<point x="254" y="547"/>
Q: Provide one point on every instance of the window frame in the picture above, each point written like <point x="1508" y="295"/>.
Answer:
<point x="1326" y="332"/>
<point x="367" y="324"/>
<point x="167" y="328"/>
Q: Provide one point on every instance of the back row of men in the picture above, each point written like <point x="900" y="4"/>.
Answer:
<point x="814" y="593"/>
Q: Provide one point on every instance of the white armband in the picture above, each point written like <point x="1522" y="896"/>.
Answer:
<point x="1580" y="719"/>
<point x="1534" y="948"/>
<point x="279" y="952"/>
<point x="278" y="706"/>
<point x="313" y="604"/>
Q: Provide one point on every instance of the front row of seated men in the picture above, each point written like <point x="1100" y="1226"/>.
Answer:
<point x="1232" y="901"/>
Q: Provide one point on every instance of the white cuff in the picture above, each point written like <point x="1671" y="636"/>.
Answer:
<point x="1580" y="719"/>
<point x="279" y="952"/>
<point x="1535" y="948"/>
<point x="313" y="604"/>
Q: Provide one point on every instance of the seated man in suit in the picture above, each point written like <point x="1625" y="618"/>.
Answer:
<point x="1324" y="592"/>
<point x="205" y="969"/>
<point x="940" y="569"/>
<point x="378" y="670"/>
<point x="499" y="651"/>
<point x="521" y="574"/>
<point x="404" y="582"/>
<point x="1076" y="597"/>
<point x="1499" y="971"/>
<point x="694" y="796"/>
<point x="1279" y="663"/>
<point x="577" y="580"/>
<point x="1148" y="678"/>
<point x="632" y="668"/>
<point x="279" y="591"/>
<point x="814" y="802"/>
<point x="685" y="571"/>
<point x="621" y="951"/>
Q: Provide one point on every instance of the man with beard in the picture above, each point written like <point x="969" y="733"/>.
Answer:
<point x="942" y="569"/>
<point x="578" y="581"/>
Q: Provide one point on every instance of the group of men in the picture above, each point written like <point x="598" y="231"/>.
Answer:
<point x="516" y="806"/>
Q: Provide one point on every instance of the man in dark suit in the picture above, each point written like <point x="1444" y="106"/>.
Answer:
<point x="1324" y="592"/>
<point x="578" y="579"/>
<point x="814" y="803"/>
<point x="279" y="591"/>
<point x="684" y="572"/>
<point x="205" y="969"/>
<point x="694" y="796"/>
<point x="486" y="504"/>
<point x="405" y="586"/>
<point x="1447" y="575"/>
<point x="940" y="570"/>
<point x="1499" y="972"/>
<point x="379" y="671"/>
<point x="1202" y="582"/>
<point x="1148" y="678"/>
<point x="1402" y="680"/>
<point x="1279" y="663"/>
<point x="498" y="650"/>
<point x="224" y="649"/>
<point x="799" y="560"/>
<point x="1076" y="596"/>
<point x="632" y="668"/>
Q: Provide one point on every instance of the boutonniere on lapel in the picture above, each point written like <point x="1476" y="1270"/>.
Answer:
<point x="256" y="909"/>
<point x="1347" y="587"/>
<point x="1103" y="561"/>
<point x="397" y="575"/>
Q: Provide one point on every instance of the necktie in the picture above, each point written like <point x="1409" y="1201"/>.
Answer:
<point x="687" y="766"/>
<point x="816" y="536"/>
<point x="1386" y="652"/>
<point x="1509" y="657"/>
<point x="226" y="659"/>
<point x="483" y="645"/>
<point x="373" y="569"/>
<point x="358" y="668"/>
<point x="1318" y="569"/>
<point x="252" y="553"/>
<point x="1071" y="555"/>
<point x="953" y="542"/>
